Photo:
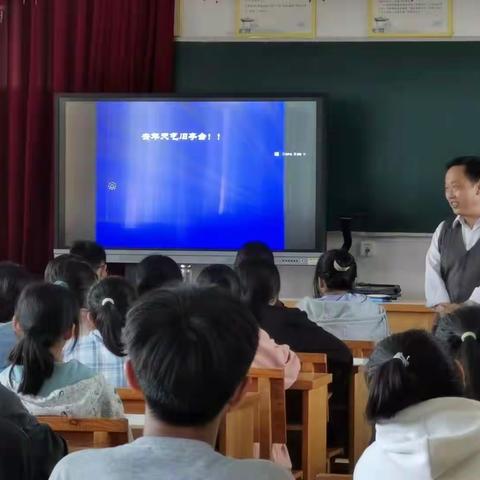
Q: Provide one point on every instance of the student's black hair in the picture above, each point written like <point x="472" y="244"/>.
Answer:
<point x="260" y="283"/>
<point x="394" y="386"/>
<point x="253" y="251"/>
<point x="190" y="348"/>
<point x="74" y="273"/>
<point x="449" y="331"/>
<point x="13" y="279"/>
<point x="54" y="267"/>
<point x="471" y="164"/>
<point x="222" y="276"/>
<point x="92" y="252"/>
<point x="45" y="313"/>
<point x="108" y="302"/>
<point x="157" y="271"/>
<point x="337" y="268"/>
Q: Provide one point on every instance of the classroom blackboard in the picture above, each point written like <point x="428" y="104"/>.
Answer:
<point x="397" y="112"/>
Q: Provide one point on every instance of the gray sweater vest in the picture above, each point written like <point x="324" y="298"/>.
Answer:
<point x="459" y="268"/>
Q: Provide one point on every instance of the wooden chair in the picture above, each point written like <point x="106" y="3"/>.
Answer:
<point x="317" y="363"/>
<point x="313" y="362"/>
<point x="236" y="435"/>
<point x="272" y="423"/>
<point x="133" y="400"/>
<point x="82" y="433"/>
<point x="360" y="348"/>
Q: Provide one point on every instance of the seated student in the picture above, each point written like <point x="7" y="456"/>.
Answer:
<point x="424" y="429"/>
<point x="459" y="332"/>
<point x="13" y="279"/>
<point x="222" y="276"/>
<point x="269" y="354"/>
<point x="102" y="349"/>
<point x="45" y="448"/>
<point x="72" y="272"/>
<point x="347" y="315"/>
<point x="157" y="271"/>
<point x="260" y="282"/>
<point x="92" y="253"/>
<point x="189" y="351"/>
<point x="253" y="251"/>
<point x="44" y="320"/>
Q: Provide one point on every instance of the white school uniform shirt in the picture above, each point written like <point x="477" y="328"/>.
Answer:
<point x="435" y="289"/>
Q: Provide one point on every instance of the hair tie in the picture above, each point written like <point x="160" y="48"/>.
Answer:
<point x="107" y="300"/>
<point x="339" y="268"/>
<point x="61" y="283"/>
<point x="400" y="356"/>
<point x="468" y="334"/>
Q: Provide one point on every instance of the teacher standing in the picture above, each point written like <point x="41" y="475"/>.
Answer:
<point x="452" y="274"/>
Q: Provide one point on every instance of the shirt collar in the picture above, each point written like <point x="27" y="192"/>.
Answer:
<point x="461" y="220"/>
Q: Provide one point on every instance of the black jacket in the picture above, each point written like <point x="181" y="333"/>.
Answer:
<point x="45" y="448"/>
<point x="291" y="326"/>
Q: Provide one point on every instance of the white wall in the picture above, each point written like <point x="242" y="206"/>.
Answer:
<point x="399" y="259"/>
<point x="336" y="19"/>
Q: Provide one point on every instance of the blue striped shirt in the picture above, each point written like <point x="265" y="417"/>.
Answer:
<point x="91" y="351"/>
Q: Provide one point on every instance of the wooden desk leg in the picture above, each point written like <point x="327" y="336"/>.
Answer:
<point x="314" y="442"/>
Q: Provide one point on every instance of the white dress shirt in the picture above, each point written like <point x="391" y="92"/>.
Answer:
<point x="435" y="289"/>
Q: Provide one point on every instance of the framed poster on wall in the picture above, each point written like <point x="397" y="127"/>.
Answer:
<point x="275" y="18"/>
<point x="410" y="18"/>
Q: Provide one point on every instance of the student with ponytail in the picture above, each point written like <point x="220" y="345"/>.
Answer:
<point x="44" y="320"/>
<point x="459" y="331"/>
<point x="335" y="306"/>
<point x="424" y="428"/>
<point x="102" y="349"/>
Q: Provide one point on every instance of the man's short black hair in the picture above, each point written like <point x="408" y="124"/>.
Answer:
<point x="471" y="164"/>
<point x="190" y="348"/>
<point x="91" y="252"/>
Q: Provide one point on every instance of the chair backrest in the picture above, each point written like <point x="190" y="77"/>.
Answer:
<point x="271" y="425"/>
<point x="360" y="348"/>
<point x="313" y="362"/>
<point x="133" y="400"/>
<point x="81" y="433"/>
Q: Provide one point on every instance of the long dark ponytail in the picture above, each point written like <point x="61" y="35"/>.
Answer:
<point x="108" y="302"/>
<point x="45" y="313"/>
<point x="406" y="369"/>
<point x="259" y="282"/>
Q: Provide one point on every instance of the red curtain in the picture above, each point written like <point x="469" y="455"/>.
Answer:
<point x="52" y="46"/>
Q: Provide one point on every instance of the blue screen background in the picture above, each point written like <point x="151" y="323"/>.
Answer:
<point x="190" y="194"/>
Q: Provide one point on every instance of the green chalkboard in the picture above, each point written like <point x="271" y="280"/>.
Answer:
<point x="397" y="112"/>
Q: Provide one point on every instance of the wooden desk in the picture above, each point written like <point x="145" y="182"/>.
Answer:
<point x="314" y="391"/>
<point x="405" y="316"/>
<point x="401" y="315"/>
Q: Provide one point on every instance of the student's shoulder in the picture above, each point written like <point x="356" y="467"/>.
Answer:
<point x="258" y="469"/>
<point x="77" y="465"/>
<point x="78" y="370"/>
